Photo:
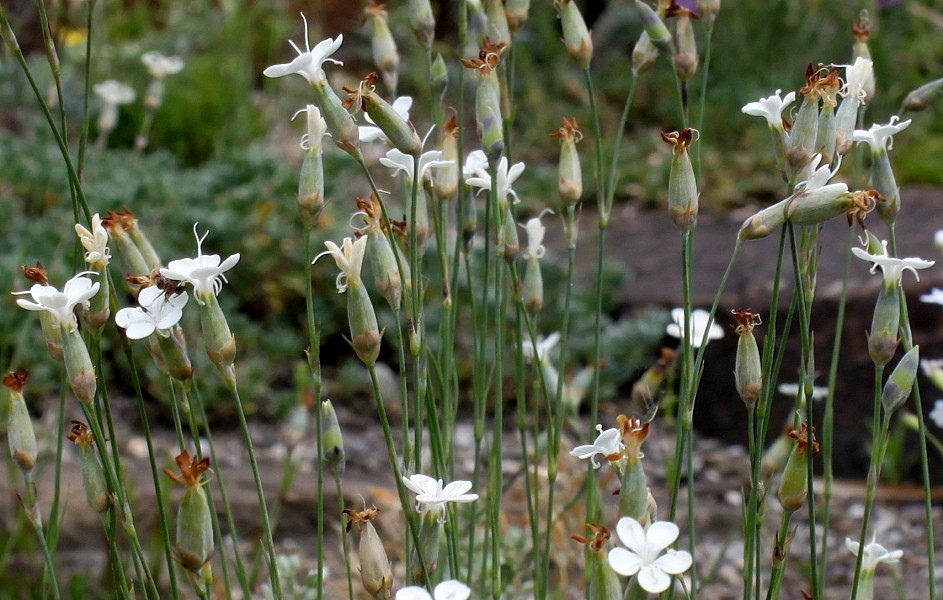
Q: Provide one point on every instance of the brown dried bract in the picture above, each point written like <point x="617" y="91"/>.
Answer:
<point x="864" y="201"/>
<point x="812" y="76"/>
<point x="190" y="469"/>
<point x="373" y="9"/>
<point x="746" y="320"/>
<point x="488" y="57"/>
<point x="679" y="139"/>
<point x="359" y="517"/>
<point x="36" y="274"/>
<point x="570" y="130"/>
<point x="674" y="10"/>
<point x="600" y="535"/>
<point x="80" y="434"/>
<point x="861" y="28"/>
<point x="16" y="380"/>
<point x="803" y="436"/>
<point x="356" y="94"/>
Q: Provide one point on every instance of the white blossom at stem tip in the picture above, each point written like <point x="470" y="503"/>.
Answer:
<point x="432" y="496"/>
<point x="160" y="66"/>
<point x="349" y="258"/>
<point x="701" y="323"/>
<point x="204" y="273"/>
<point x="309" y="63"/>
<point x="400" y="161"/>
<point x="77" y="291"/>
<point x="892" y="268"/>
<point x="608" y="445"/>
<point x="158" y="313"/>
<point x="770" y="108"/>
<point x="95" y="241"/>
<point x="881" y="137"/>
<point x="447" y="590"/>
<point x="874" y="554"/>
<point x="535" y="236"/>
<point x="643" y="556"/>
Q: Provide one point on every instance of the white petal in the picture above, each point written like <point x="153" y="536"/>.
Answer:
<point x="140" y="329"/>
<point x="23" y="303"/>
<point x="660" y="535"/>
<point x="148" y="295"/>
<point x="229" y="263"/>
<point x="452" y="590"/>
<point x="632" y="534"/>
<point x="413" y="593"/>
<point x="624" y="562"/>
<point x="421" y="484"/>
<point x="653" y="580"/>
<point x="674" y="562"/>
<point x="457" y="488"/>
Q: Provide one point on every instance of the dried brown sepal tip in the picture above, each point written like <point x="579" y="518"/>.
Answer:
<point x="373" y="9"/>
<point x="357" y="93"/>
<point x="746" y="320"/>
<point x="569" y="131"/>
<point x="679" y="139"/>
<point x="600" y="536"/>
<point x="80" y="434"/>
<point x="812" y="76"/>
<point x="489" y="56"/>
<point x="16" y="381"/>
<point x="190" y="469"/>
<point x="676" y="10"/>
<point x="360" y="516"/>
<point x="36" y="274"/>
<point x="861" y="28"/>
<point x="863" y="202"/>
<point x="805" y="439"/>
<point x="633" y="431"/>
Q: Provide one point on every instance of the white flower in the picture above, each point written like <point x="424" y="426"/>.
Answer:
<point x="205" y="272"/>
<point x="158" y="312"/>
<point x="880" y="137"/>
<point x="475" y="162"/>
<point x="371" y="133"/>
<point x="349" y="259"/>
<point x="317" y="127"/>
<point x="792" y="390"/>
<point x="160" y="66"/>
<point x="934" y="297"/>
<point x="447" y="590"/>
<point x="114" y="93"/>
<point x="874" y="554"/>
<point x="505" y="179"/>
<point x="432" y="496"/>
<point x="771" y="108"/>
<point x="818" y="181"/>
<point x="608" y="443"/>
<point x="857" y="77"/>
<point x="701" y="323"/>
<point x="535" y="236"/>
<point x="642" y="557"/>
<point x="400" y="161"/>
<point x="544" y="346"/>
<point x="309" y="63"/>
<point x="893" y="268"/>
<point x="95" y="241"/>
<point x="77" y="291"/>
<point x="936" y="415"/>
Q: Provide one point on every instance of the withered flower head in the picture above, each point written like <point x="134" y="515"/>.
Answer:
<point x="861" y="28"/>
<point x="570" y="130"/>
<point x="488" y="57"/>
<point x="803" y="435"/>
<point x="113" y="223"/>
<point x="596" y="543"/>
<point x="16" y="380"/>
<point x="366" y="86"/>
<point x="80" y="434"/>
<point x="746" y="320"/>
<point x="190" y="469"/>
<point x="828" y="87"/>
<point x="373" y="9"/>
<point x="451" y="126"/>
<point x="675" y="10"/>
<point x="863" y="202"/>
<point x="812" y="76"/>
<point x="359" y="517"/>
<point x="36" y="274"/>
<point x="634" y="432"/>
<point x="679" y="139"/>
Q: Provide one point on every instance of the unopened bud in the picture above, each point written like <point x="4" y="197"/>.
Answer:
<point x="401" y="133"/>
<point x="375" y="572"/>
<point x="517" y="12"/>
<point x="533" y="291"/>
<point x="576" y="37"/>
<point x="80" y="372"/>
<point x="217" y="338"/>
<point x="445" y="178"/>
<point x="422" y="21"/>
<point x="93" y="477"/>
<point x="386" y="276"/>
<point x="498" y="28"/>
<point x="921" y="97"/>
<point x="682" y="187"/>
<point x="174" y="358"/>
<point x="311" y="179"/>
<point x="882" y="180"/>
<point x="569" y="173"/>
<point x="901" y="382"/>
<point x="794" y="488"/>
<point x="655" y="27"/>
<point x="332" y="441"/>
<point x="365" y="334"/>
<point x="140" y="240"/>
<point x="748" y="371"/>
<point x="385" y="54"/>
<point x="340" y="124"/>
<point x="708" y="10"/>
<point x="21" y="437"/>
<point x="644" y="54"/>
<point x="131" y="257"/>
<point x="439" y="77"/>
<point x="883" y="337"/>
<point x="686" y="60"/>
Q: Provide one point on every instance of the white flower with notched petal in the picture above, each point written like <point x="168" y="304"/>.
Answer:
<point x="317" y="127"/>
<point x="205" y="272"/>
<point x="400" y="161"/>
<point x="643" y="556"/>
<point x="535" y="236"/>
<point x="115" y="93"/>
<point x="818" y="181"/>
<point x="771" y="108"/>
<point x="505" y="178"/>
<point x="158" y="312"/>
<point x="447" y="590"/>
<point x="372" y="133"/>
<point x="857" y="77"/>
<point x="936" y="415"/>
<point x="608" y="444"/>
<point x="77" y="291"/>
<point x="543" y="347"/>
<point x="701" y="323"/>
<point x="160" y="66"/>
<point x="476" y="163"/>
<point x="874" y="554"/>
<point x="349" y="259"/>
<point x="881" y="137"/>
<point x="892" y="268"/>
<point x="432" y="496"/>
<point x="309" y="63"/>
<point x="95" y="241"/>
<point x="934" y="297"/>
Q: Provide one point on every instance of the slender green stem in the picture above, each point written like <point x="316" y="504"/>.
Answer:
<point x="314" y="363"/>
<point x="612" y="177"/>
<point x="83" y="140"/>
<point x="345" y="538"/>
<point x="29" y="505"/>
<point x="705" y="73"/>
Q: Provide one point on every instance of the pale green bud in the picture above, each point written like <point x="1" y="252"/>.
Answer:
<point x="883" y="337"/>
<point x="569" y="172"/>
<point x="509" y="245"/>
<point x="576" y="37"/>
<point x="686" y="60"/>
<point x="604" y="583"/>
<point x="748" y="371"/>
<point x="921" y="97"/>
<point x="708" y="10"/>
<point x="93" y="477"/>
<point x="657" y="32"/>
<point x="131" y="257"/>
<point x="794" y="488"/>
<point x="901" y="382"/>
<point x="175" y="360"/>
<point x="533" y="287"/>
<point x="802" y="139"/>
<point x="340" y="124"/>
<point x="402" y="134"/>
<point x="375" y="572"/>
<point x="385" y="54"/>
<point x="140" y="240"/>
<point x="445" y="178"/>
<point x="488" y="116"/>
<point x="644" y="54"/>
<point x="439" y="77"/>
<point x="332" y="441"/>
<point x="430" y="530"/>
<point x="422" y="21"/>
<point x="21" y="437"/>
<point x="217" y="338"/>
<point x="682" y="187"/>
<point x="882" y="180"/>
<point x="498" y="29"/>
<point x="386" y="276"/>
<point x="80" y="372"/>
<point x="365" y="334"/>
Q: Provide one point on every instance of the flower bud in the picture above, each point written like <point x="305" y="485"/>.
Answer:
<point x="131" y="257"/>
<point x="569" y="172"/>
<point x="385" y="55"/>
<point x="375" y="572"/>
<point x="175" y="360"/>
<point x="422" y="21"/>
<point x="603" y="583"/>
<point x="21" y="437"/>
<point x="340" y="124"/>
<point x="633" y="497"/>
<point x="311" y="180"/>
<point x="921" y="97"/>
<point x="498" y="28"/>
<point x="901" y="382"/>
<point x="365" y="334"/>
<point x="775" y="457"/>
<point x="576" y="37"/>
<point x="655" y="27"/>
<point x="644" y="54"/>
<point x="80" y="372"/>
<point x="93" y="477"/>
<point x="882" y="180"/>
<point x="439" y="77"/>
<point x="883" y="337"/>
<point x="533" y="291"/>
<point x="517" y="12"/>
<point x="194" y="545"/>
<point x="401" y="133"/>
<point x="430" y="529"/>
<point x="748" y="372"/>
<point x="217" y="338"/>
<point x="708" y="10"/>
<point x="445" y="178"/>
<point x="682" y="187"/>
<point x="130" y="224"/>
<point x="509" y="245"/>
<point x="794" y="488"/>
<point x="332" y="441"/>
<point x="686" y="60"/>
